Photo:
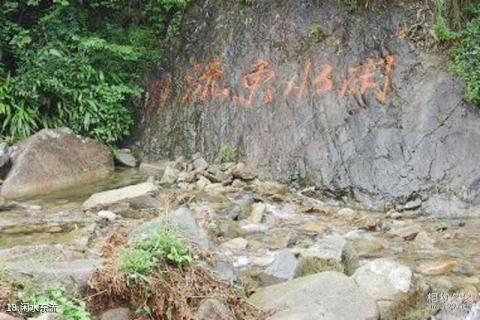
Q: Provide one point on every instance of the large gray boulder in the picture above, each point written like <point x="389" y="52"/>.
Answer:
<point x="387" y="281"/>
<point x="323" y="296"/>
<point x="311" y="92"/>
<point x="55" y="159"/>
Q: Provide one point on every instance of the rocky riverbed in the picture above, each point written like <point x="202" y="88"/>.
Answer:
<point x="299" y="257"/>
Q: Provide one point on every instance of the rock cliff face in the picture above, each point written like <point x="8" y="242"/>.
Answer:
<point x="311" y="92"/>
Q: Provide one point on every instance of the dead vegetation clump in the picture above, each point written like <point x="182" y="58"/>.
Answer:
<point x="171" y="292"/>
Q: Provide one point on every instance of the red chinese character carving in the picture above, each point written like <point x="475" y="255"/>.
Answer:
<point x="260" y="75"/>
<point x="206" y="85"/>
<point x="322" y="82"/>
<point x="388" y="63"/>
<point x="361" y="78"/>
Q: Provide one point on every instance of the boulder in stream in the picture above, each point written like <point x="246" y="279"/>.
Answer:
<point x="55" y="159"/>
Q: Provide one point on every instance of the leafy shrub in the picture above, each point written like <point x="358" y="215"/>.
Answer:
<point x="465" y="54"/>
<point x="70" y="308"/>
<point x="227" y="154"/>
<point x="79" y="63"/>
<point x="144" y="255"/>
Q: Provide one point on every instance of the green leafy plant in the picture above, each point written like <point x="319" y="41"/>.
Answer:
<point x="227" y="154"/>
<point x="70" y="308"/>
<point x="465" y="53"/>
<point x="79" y="63"/>
<point x="144" y="256"/>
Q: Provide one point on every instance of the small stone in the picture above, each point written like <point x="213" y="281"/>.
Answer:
<point x="285" y="267"/>
<point x="116" y="314"/>
<point x="257" y="212"/>
<point x="186" y="176"/>
<point x="395" y="215"/>
<point x="110" y="197"/>
<point x="437" y="267"/>
<point x="314" y="226"/>
<point x="407" y="233"/>
<point x="241" y="207"/>
<point x="348" y="214"/>
<point x="423" y="240"/>
<point x="214" y="188"/>
<point x="241" y="171"/>
<point x="239" y="184"/>
<point x="235" y="244"/>
<point x="200" y="164"/>
<point x="329" y="253"/>
<point x="170" y="176"/>
<point x="156" y="169"/>
<point x="125" y="158"/>
<point x="202" y="183"/>
<point x="109" y="215"/>
<point x="214" y="309"/>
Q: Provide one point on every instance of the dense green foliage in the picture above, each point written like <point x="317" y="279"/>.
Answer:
<point x="70" y="308"/>
<point x="78" y="63"/>
<point x="463" y="32"/>
<point x="144" y="256"/>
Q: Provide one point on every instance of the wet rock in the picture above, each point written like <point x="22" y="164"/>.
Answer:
<point x="236" y="244"/>
<point x="283" y="268"/>
<point x="105" y="214"/>
<point x="110" y="197"/>
<point x="388" y="282"/>
<point x="186" y="223"/>
<point x="124" y="157"/>
<point x="54" y="159"/>
<point x="170" y="175"/>
<point x="407" y="233"/>
<point x="214" y="309"/>
<point x="329" y="253"/>
<point x="256" y="215"/>
<point x="437" y="267"/>
<point x="156" y="169"/>
<point x="116" y="314"/>
<point x="327" y="296"/>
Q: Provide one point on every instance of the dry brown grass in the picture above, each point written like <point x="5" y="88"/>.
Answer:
<point x="173" y="294"/>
